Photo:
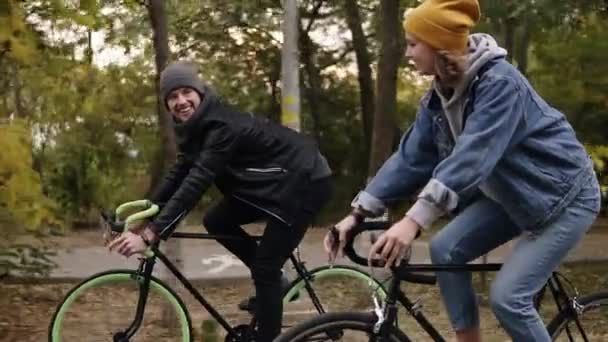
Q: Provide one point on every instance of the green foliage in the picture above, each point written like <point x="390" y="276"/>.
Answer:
<point x="209" y="330"/>
<point x="92" y="152"/>
<point x="95" y="128"/>
<point x="21" y="259"/>
<point x="599" y="154"/>
<point x="16" y="37"/>
<point x="579" y="87"/>
<point x="23" y="206"/>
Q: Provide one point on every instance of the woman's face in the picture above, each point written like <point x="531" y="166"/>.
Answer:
<point x="422" y="54"/>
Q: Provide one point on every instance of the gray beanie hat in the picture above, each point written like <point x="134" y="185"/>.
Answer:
<point x="178" y="75"/>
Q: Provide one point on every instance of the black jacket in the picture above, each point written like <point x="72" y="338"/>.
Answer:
<point x="251" y="159"/>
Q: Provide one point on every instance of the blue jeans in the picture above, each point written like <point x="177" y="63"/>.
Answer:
<point x="483" y="226"/>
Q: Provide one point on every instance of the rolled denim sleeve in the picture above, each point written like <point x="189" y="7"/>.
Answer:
<point x="489" y="129"/>
<point x="406" y="171"/>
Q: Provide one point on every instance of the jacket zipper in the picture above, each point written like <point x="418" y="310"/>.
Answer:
<point x="172" y="223"/>
<point x="262" y="209"/>
<point x="266" y="170"/>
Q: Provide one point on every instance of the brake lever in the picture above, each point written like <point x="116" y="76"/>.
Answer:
<point x="335" y="243"/>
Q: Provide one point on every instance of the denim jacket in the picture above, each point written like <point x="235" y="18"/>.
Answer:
<point x="514" y="148"/>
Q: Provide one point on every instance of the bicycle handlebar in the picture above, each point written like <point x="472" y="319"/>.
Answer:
<point x="115" y="225"/>
<point x="401" y="271"/>
<point x="349" y="248"/>
<point x="147" y="209"/>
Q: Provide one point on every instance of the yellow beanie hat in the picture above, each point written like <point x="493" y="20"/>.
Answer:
<point x="443" y="24"/>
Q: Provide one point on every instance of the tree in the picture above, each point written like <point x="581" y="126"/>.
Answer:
<point x="386" y="100"/>
<point x="366" y="82"/>
<point x="167" y="152"/>
<point x="160" y="36"/>
<point x="518" y="25"/>
<point x="290" y="103"/>
<point x="580" y="85"/>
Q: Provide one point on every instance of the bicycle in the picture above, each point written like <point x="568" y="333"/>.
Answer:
<point x="148" y="291"/>
<point x="380" y="324"/>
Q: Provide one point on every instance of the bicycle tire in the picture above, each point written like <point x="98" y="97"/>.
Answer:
<point x="335" y="324"/>
<point x="113" y="277"/>
<point x="589" y="304"/>
<point x="325" y="281"/>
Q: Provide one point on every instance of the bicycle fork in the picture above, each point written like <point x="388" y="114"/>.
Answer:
<point x="142" y="277"/>
<point x="385" y="314"/>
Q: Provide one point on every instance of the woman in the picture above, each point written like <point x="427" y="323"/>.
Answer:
<point x="486" y="148"/>
<point x="265" y="171"/>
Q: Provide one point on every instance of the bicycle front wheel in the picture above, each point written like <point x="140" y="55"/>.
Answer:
<point x="339" y="326"/>
<point x="589" y="324"/>
<point x="331" y="289"/>
<point x="103" y="306"/>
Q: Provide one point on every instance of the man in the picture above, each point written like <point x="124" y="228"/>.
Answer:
<point x="264" y="170"/>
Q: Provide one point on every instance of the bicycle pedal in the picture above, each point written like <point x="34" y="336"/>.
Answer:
<point x="248" y="305"/>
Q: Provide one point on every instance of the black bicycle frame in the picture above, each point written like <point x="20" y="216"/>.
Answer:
<point x="147" y="266"/>
<point x="395" y="295"/>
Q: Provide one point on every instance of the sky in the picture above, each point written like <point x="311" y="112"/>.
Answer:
<point x="105" y="54"/>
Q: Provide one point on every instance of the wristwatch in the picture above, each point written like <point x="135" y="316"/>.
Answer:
<point x="145" y="239"/>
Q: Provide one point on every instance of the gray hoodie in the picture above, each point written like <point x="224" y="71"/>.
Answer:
<point x="481" y="48"/>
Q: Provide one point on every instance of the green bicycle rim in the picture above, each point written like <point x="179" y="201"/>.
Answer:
<point x="119" y="277"/>
<point x="336" y="271"/>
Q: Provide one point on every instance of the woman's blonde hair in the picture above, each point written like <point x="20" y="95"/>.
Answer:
<point x="450" y="66"/>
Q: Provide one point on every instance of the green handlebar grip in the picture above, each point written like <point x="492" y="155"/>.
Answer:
<point x="139" y="204"/>
<point x="146" y="209"/>
<point x="151" y="211"/>
<point x="148" y="253"/>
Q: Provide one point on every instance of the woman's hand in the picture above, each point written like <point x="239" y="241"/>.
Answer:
<point x="333" y="247"/>
<point x="394" y="243"/>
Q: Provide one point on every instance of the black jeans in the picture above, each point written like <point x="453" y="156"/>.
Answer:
<point x="266" y="259"/>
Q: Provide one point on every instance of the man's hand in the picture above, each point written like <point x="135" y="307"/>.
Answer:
<point x="333" y="247"/>
<point x="138" y="226"/>
<point x="130" y="243"/>
<point x="394" y="243"/>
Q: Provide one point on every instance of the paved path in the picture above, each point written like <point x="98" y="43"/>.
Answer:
<point x="207" y="260"/>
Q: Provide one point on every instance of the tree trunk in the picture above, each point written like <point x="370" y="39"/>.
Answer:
<point x="17" y="87"/>
<point x="524" y="45"/>
<point x="313" y="76"/>
<point x="391" y="37"/>
<point x="89" y="50"/>
<point x="166" y="155"/>
<point x="366" y="82"/>
<point x="274" y="110"/>
<point x="4" y="109"/>
<point x="510" y="36"/>
<point x="290" y="103"/>
<point x="167" y="152"/>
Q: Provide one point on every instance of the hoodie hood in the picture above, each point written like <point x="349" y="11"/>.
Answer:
<point x="481" y="48"/>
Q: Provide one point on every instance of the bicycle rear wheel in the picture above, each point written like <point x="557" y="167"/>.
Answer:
<point x="339" y="326"/>
<point x="105" y="304"/>
<point x="337" y="288"/>
<point x="590" y="324"/>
